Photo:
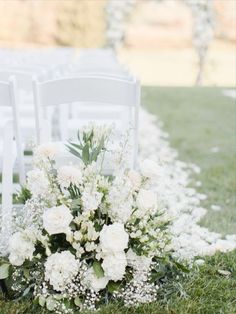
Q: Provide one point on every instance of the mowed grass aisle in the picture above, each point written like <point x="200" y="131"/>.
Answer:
<point x="199" y="121"/>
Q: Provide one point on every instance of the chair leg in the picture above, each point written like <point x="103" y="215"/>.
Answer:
<point x="7" y="177"/>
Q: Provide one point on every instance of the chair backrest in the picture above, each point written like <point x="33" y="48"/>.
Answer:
<point x="8" y="97"/>
<point x="95" y="90"/>
<point x="5" y="96"/>
<point x="23" y="79"/>
<point x="89" y="89"/>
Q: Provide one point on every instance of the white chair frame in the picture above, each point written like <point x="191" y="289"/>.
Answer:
<point x="8" y="160"/>
<point x="8" y="97"/>
<point x="94" y="90"/>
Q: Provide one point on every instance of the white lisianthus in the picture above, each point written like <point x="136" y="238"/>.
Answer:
<point x="135" y="179"/>
<point x="45" y="151"/>
<point x="146" y="201"/>
<point x="61" y="269"/>
<point x="57" y="219"/>
<point x="90" y="246"/>
<point x="114" y="266"/>
<point x="91" y="200"/>
<point x="149" y="168"/>
<point x="91" y="281"/>
<point x="21" y="247"/>
<point x="113" y="238"/>
<point x="37" y="182"/>
<point x="120" y="199"/>
<point x="67" y="175"/>
<point x="121" y="212"/>
<point x="138" y="262"/>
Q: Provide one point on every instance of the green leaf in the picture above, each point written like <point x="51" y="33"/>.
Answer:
<point x="4" y="271"/>
<point x="182" y="267"/>
<point x="42" y="300"/>
<point x="26" y="273"/>
<point x="113" y="286"/>
<point x="77" y="301"/>
<point x="74" y="151"/>
<point x="85" y="154"/>
<point x="50" y="304"/>
<point x="98" y="269"/>
<point x="26" y="291"/>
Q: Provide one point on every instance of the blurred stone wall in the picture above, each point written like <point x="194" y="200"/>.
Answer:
<point x="225" y="16"/>
<point x="81" y="23"/>
<point x="52" y="22"/>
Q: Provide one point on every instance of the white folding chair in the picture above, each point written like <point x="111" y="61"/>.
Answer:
<point x="88" y="90"/>
<point x="25" y="103"/>
<point x="8" y="98"/>
<point x="8" y="159"/>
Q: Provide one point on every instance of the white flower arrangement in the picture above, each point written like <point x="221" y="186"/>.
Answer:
<point x="94" y="237"/>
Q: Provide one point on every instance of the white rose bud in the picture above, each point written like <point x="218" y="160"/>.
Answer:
<point x="149" y="168"/>
<point x="146" y="200"/>
<point x="135" y="179"/>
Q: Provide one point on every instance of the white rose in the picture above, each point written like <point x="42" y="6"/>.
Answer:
<point x="114" y="266"/>
<point x="37" y="182"/>
<point x="149" y="168"/>
<point x="91" y="281"/>
<point x="57" y="219"/>
<point x="146" y="200"/>
<point x="45" y="151"/>
<point x="21" y="247"/>
<point x="67" y="175"/>
<point x="61" y="269"/>
<point x="135" y="179"/>
<point x="113" y="238"/>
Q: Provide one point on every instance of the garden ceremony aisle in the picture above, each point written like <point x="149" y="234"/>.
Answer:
<point x="200" y="122"/>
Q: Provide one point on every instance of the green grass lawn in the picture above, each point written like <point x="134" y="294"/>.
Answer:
<point x="197" y="119"/>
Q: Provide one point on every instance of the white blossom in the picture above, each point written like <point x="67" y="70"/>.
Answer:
<point x="149" y="168"/>
<point x="114" y="266"/>
<point x="91" y="199"/>
<point x="67" y="175"/>
<point x="113" y="238"/>
<point x="146" y="201"/>
<point x="91" y="281"/>
<point x="135" y="179"/>
<point x="37" y="182"/>
<point x="21" y="247"/>
<point x="57" y="219"/>
<point x="61" y="269"/>
<point x="45" y="151"/>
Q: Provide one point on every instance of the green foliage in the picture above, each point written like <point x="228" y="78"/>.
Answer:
<point x="4" y="271"/>
<point x="87" y="149"/>
<point x="98" y="269"/>
<point x="23" y="196"/>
